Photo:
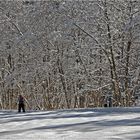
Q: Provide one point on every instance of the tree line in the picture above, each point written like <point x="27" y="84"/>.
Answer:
<point x="69" y="54"/>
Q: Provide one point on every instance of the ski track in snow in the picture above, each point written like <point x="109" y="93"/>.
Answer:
<point x="76" y="124"/>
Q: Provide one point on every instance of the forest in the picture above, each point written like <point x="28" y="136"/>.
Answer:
<point x="63" y="54"/>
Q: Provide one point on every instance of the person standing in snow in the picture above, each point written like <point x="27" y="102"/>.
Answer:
<point x="21" y="104"/>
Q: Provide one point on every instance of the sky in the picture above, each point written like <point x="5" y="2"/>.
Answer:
<point x="74" y="124"/>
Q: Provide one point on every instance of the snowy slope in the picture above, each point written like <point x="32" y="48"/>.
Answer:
<point x="77" y="124"/>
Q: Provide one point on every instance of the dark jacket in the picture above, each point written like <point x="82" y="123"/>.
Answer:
<point x="21" y="99"/>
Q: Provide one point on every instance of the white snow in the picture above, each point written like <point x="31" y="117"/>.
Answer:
<point x="76" y="124"/>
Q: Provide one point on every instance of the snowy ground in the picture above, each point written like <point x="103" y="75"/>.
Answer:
<point x="80" y="124"/>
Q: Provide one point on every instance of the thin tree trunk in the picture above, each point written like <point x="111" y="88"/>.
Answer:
<point x="63" y="82"/>
<point x="114" y="76"/>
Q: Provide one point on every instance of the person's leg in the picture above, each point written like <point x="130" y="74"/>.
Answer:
<point x="23" y="107"/>
<point x="19" y="108"/>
